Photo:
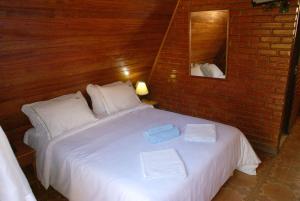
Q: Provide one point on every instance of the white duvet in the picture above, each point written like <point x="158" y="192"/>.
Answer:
<point x="101" y="161"/>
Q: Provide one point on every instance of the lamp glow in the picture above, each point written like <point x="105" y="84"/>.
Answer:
<point x="126" y="71"/>
<point x="141" y="89"/>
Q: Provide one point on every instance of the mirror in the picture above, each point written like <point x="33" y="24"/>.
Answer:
<point x="208" y="43"/>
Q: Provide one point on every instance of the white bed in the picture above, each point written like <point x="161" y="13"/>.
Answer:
<point x="100" y="161"/>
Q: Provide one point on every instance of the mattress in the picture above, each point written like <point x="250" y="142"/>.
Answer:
<point x="101" y="161"/>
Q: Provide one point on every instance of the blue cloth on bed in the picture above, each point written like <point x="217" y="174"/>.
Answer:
<point x="161" y="133"/>
<point x="160" y="128"/>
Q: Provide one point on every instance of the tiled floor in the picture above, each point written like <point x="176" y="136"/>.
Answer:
<point x="278" y="178"/>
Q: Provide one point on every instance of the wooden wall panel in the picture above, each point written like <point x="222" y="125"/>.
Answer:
<point x="50" y="48"/>
<point x="252" y="96"/>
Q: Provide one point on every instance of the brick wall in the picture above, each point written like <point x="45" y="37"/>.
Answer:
<point x="252" y="96"/>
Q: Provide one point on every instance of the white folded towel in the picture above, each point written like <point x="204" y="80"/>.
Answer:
<point x="200" y="132"/>
<point x="161" y="164"/>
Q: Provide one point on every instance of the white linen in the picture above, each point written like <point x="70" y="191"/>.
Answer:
<point x="196" y="70"/>
<point x="119" y="97"/>
<point x="29" y="134"/>
<point x="247" y="165"/>
<point x="13" y="183"/>
<point x="97" y="98"/>
<point x="32" y="138"/>
<point x="29" y="111"/>
<point x="162" y="163"/>
<point x="60" y="114"/>
<point x="200" y="132"/>
<point x="211" y="70"/>
<point x="101" y="161"/>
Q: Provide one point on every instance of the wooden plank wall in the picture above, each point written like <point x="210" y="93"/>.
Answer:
<point x="252" y="96"/>
<point x="51" y="48"/>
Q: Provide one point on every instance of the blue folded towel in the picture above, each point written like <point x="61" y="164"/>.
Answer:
<point x="160" y="129"/>
<point x="161" y="134"/>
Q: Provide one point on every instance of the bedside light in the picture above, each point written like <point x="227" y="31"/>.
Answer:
<point x="125" y="71"/>
<point x="141" y="88"/>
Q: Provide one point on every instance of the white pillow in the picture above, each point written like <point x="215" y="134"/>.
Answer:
<point x="60" y="114"/>
<point x="196" y="70"/>
<point x="28" y="134"/>
<point x="211" y="70"/>
<point x="97" y="98"/>
<point x="34" y="119"/>
<point x="119" y="97"/>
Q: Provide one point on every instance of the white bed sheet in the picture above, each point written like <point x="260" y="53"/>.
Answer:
<point x="101" y="161"/>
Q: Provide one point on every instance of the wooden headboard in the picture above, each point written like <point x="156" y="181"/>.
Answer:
<point x="51" y="48"/>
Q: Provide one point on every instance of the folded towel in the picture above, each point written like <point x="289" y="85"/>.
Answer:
<point x="162" y="163"/>
<point x="160" y="128"/>
<point x="161" y="136"/>
<point x="200" y="132"/>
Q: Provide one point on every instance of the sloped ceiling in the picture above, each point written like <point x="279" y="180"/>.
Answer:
<point x="49" y="48"/>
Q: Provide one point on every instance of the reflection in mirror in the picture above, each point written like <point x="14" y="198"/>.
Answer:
<point x="208" y="43"/>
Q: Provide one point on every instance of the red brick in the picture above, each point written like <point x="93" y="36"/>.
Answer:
<point x="261" y="32"/>
<point x="270" y="39"/>
<point x="263" y="18"/>
<point x="283" y="32"/>
<point x="284" y="53"/>
<point x="271" y="25"/>
<point x="289" y="25"/>
<point x="244" y="19"/>
<point x="287" y="39"/>
<point x="281" y="46"/>
<point x="247" y="50"/>
<point x="279" y="60"/>
<point x="267" y="52"/>
<point x="261" y="45"/>
<point x="285" y="18"/>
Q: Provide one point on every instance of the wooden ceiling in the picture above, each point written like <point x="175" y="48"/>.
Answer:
<point x="49" y="48"/>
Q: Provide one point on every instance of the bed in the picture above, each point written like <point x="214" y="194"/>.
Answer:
<point x="100" y="161"/>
